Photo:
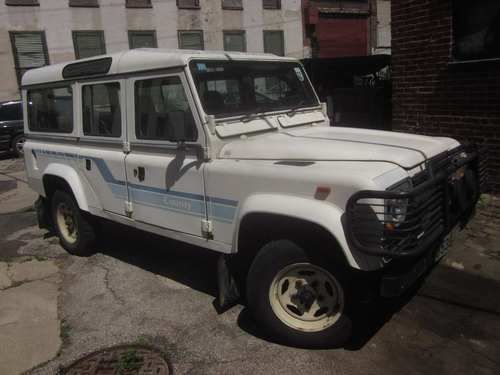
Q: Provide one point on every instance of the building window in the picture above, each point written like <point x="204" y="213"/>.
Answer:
<point x="159" y="104"/>
<point x="51" y="110"/>
<point x="188" y="4"/>
<point x="142" y="39"/>
<point x="274" y="42"/>
<point x="235" y="41"/>
<point x="84" y="3"/>
<point x="138" y="4"/>
<point x="89" y="43"/>
<point x="101" y="110"/>
<point x="192" y="39"/>
<point x="30" y="51"/>
<point x="271" y="4"/>
<point x="22" y="2"/>
<point x="476" y="29"/>
<point x="232" y="4"/>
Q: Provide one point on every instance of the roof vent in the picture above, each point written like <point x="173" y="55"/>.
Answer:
<point x="87" y="68"/>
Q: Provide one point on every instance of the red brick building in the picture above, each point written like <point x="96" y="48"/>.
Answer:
<point x="446" y="71"/>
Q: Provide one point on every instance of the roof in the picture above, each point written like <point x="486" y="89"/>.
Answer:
<point x="142" y="59"/>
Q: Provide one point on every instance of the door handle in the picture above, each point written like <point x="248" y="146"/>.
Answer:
<point x="140" y="173"/>
<point x="88" y="164"/>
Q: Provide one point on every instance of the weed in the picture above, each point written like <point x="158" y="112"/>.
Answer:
<point x="65" y="331"/>
<point x="129" y="361"/>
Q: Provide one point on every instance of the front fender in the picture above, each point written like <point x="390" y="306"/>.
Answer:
<point x="68" y="174"/>
<point x="324" y="214"/>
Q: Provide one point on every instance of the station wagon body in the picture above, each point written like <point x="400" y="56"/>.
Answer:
<point x="233" y="152"/>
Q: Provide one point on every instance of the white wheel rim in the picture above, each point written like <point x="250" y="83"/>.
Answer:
<point x="306" y="297"/>
<point x="66" y="222"/>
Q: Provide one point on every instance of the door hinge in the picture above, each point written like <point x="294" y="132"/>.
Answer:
<point x="128" y="208"/>
<point x="126" y="147"/>
<point x="207" y="229"/>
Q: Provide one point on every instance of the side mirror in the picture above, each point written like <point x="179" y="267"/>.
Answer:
<point x="177" y="126"/>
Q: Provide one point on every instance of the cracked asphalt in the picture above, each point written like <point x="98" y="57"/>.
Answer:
<point x="140" y="288"/>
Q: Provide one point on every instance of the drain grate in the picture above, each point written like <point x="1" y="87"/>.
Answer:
<point x="121" y="360"/>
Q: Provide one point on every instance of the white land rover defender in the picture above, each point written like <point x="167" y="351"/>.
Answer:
<point x="233" y="152"/>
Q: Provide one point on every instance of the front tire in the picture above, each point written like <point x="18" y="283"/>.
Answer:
<point x="296" y="298"/>
<point x="76" y="234"/>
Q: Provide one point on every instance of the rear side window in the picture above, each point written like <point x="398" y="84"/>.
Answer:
<point x="158" y="102"/>
<point x="51" y="110"/>
<point x="11" y="112"/>
<point x="101" y="110"/>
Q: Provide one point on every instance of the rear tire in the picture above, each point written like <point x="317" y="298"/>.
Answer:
<point x="298" y="299"/>
<point x="75" y="232"/>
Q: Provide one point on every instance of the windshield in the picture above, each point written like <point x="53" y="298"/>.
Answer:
<point x="232" y="88"/>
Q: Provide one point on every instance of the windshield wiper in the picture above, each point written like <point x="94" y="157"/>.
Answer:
<point x="256" y="112"/>
<point x="292" y="111"/>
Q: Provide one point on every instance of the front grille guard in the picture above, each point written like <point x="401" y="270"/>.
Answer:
<point x="424" y="215"/>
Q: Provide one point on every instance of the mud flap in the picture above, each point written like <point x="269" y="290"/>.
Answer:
<point x="228" y="294"/>
<point x="43" y="214"/>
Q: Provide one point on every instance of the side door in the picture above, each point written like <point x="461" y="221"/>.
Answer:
<point x="165" y="175"/>
<point x="102" y="135"/>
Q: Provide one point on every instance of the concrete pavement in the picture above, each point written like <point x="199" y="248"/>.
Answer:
<point x="142" y="288"/>
<point x="29" y="326"/>
<point x="15" y="194"/>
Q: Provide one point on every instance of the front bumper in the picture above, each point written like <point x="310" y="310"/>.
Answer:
<point x="401" y="276"/>
<point x="445" y="199"/>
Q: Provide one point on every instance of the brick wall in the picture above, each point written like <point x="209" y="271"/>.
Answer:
<point x="431" y="94"/>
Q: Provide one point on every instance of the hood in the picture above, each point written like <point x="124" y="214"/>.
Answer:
<point x="339" y="144"/>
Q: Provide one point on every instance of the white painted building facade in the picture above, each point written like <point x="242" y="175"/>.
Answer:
<point x="383" y="28"/>
<point x="70" y="28"/>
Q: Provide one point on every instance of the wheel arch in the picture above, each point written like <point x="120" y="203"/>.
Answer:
<point x="63" y="177"/>
<point x="280" y="215"/>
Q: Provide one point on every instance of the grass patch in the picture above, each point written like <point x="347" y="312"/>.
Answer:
<point x="65" y="332"/>
<point x="129" y="361"/>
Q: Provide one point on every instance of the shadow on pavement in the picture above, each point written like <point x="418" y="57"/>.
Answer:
<point x="196" y="268"/>
<point x="189" y="265"/>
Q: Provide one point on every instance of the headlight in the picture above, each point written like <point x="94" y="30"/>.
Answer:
<point x="396" y="209"/>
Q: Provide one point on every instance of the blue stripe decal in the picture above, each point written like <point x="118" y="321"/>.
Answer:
<point x="221" y="209"/>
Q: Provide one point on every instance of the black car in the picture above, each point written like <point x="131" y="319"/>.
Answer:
<point x="11" y="127"/>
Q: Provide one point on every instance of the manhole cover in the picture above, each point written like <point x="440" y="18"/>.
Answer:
<point x="121" y="360"/>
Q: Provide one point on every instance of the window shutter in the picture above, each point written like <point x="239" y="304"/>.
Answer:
<point x="234" y="41"/>
<point x="274" y="42"/>
<point x="138" y="4"/>
<point x="84" y="3"/>
<point x="232" y="4"/>
<point x="271" y="4"/>
<point x="188" y="4"/>
<point x="191" y="40"/>
<point x="88" y="43"/>
<point x="30" y="49"/>
<point x="21" y="2"/>
<point x="142" y="39"/>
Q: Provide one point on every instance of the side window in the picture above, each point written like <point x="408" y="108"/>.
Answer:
<point x="101" y="110"/>
<point x="160" y="105"/>
<point x="51" y="110"/>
